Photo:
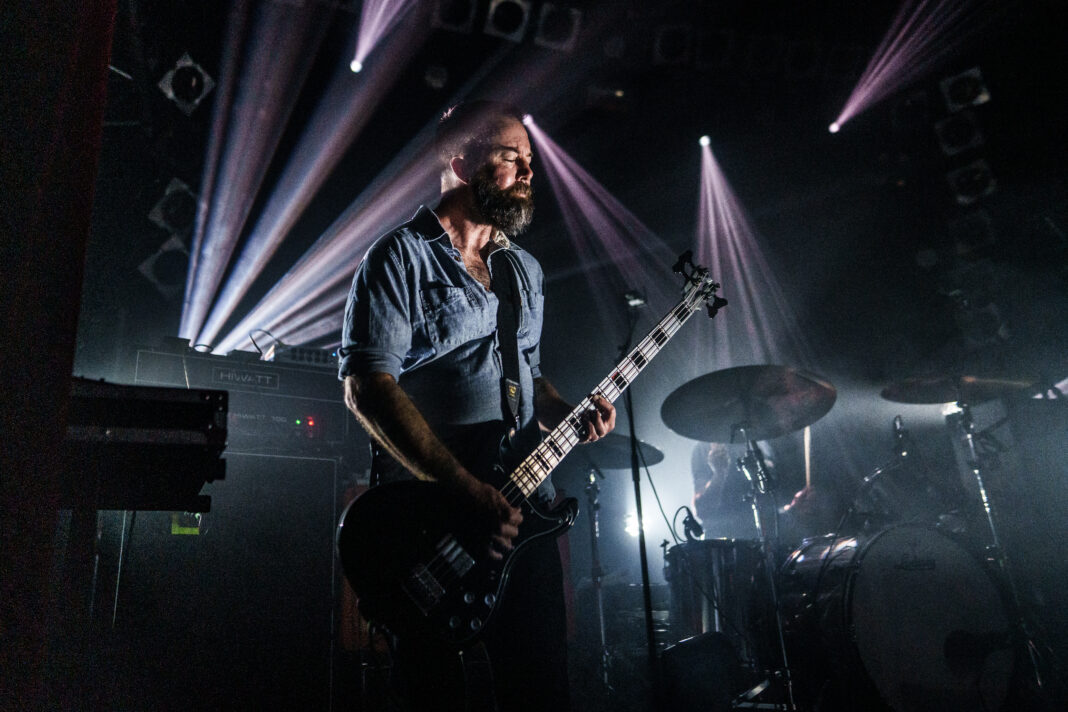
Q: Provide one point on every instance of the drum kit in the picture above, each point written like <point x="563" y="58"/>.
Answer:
<point x="894" y="613"/>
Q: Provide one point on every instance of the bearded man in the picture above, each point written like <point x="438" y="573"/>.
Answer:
<point x="426" y="372"/>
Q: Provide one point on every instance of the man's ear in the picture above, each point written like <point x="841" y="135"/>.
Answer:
<point x="459" y="168"/>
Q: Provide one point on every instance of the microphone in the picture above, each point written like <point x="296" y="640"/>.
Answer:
<point x="691" y="526"/>
<point x="901" y="436"/>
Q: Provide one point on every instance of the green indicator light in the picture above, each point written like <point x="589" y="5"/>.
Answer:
<point x="298" y="421"/>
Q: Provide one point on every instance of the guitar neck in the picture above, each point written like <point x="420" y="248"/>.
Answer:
<point x="539" y="464"/>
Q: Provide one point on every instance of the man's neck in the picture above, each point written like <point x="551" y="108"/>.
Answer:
<point x="467" y="231"/>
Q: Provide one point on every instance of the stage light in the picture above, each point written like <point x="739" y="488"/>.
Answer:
<point x="726" y="241"/>
<point x="704" y="140"/>
<point x="186" y="84"/>
<point x="920" y="36"/>
<point x="964" y="90"/>
<point x="558" y="27"/>
<point x="337" y="120"/>
<point x="958" y="133"/>
<point x="508" y="19"/>
<point x="176" y="210"/>
<point x="630" y="523"/>
<point x="455" y="15"/>
<point x="249" y="120"/>
<point x="607" y="98"/>
<point x="603" y="231"/>
<point x="528" y="119"/>
<point x="320" y="279"/>
<point x="972" y="182"/>
<point x="377" y="19"/>
<point x="672" y="44"/>
<point x="834" y="127"/>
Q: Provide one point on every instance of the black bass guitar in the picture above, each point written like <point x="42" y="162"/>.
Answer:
<point x="404" y="546"/>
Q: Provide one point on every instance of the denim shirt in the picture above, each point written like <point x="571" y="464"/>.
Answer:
<point x="415" y="313"/>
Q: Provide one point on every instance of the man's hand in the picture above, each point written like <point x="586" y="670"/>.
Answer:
<point x="600" y="419"/>
<point x="498" y="518"/>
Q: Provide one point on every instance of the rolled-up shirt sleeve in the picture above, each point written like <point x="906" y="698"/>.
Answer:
<point x="376" y="334"/>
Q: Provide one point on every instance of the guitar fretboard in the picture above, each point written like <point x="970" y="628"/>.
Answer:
<point x="540" y="463"/>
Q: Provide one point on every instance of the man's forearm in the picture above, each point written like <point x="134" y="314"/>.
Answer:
<point x="390" y="417"/>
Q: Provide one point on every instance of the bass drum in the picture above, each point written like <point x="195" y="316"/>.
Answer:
<point x="907" y="620"/>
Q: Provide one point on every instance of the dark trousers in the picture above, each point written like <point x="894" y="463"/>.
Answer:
<point x="525" y="643"/>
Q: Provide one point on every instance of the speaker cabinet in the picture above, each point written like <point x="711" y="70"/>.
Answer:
<point x="238" y="615"/>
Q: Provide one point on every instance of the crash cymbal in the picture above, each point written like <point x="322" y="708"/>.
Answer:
<point x="954" y="389"/>
<point x="613" y="452"/>
<point x="768" y="401"/>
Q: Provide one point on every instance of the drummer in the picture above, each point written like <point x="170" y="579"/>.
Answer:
<point x="722" y="495"/>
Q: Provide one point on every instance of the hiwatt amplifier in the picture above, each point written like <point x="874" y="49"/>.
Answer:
<point x="275" y="408"/>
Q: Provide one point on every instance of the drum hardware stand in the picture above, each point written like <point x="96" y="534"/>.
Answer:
<point x="1001" y="558"/>
<point x="755" y="470"/>
<point x="596" y="572"/>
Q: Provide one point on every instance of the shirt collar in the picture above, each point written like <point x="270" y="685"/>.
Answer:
<point x="426" y="223"/>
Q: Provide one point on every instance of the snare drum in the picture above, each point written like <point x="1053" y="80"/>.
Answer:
<point x="719" y="585"/>
<point x="907" y="616"/>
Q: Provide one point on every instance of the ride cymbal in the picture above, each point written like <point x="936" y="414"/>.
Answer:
<point x="767" y="401"/>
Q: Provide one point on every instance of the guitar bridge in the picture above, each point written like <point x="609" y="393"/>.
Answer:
<point x="424" y="587"/>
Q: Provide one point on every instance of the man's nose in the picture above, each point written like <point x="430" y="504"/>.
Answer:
<point x="524" y="171"/>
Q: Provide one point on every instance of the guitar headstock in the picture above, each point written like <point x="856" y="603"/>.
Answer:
<point x="699" y="285"/>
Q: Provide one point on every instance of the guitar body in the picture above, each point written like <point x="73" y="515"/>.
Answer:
<point x="408" y="548"/>
<point x="418" y="570"/>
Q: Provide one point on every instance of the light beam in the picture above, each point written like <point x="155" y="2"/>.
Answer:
<point x="923" y="33"/>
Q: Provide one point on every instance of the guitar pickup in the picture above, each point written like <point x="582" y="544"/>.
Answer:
<point x="454" y="555"/>
<point x="423" y="588"/>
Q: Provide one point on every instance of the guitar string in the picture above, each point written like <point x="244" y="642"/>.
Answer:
<point x="439" y="566"/>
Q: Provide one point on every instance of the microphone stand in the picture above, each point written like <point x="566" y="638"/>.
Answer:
<point x="752" y="465"/>
<point x="596" y="572"/>
<point x="635" y="471"/>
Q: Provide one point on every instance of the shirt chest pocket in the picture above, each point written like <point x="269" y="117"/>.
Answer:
<point x="452" y="316"/>
<point x="530" y="319"/>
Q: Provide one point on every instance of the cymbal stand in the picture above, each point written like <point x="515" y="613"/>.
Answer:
<point x="755" y="470"/>
<point x="1001" y="557"/>
<point x="596" y="572"/>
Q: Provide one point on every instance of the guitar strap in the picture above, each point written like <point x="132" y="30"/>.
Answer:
<point x="505" y="284"/>
<point x="478" y="679"/>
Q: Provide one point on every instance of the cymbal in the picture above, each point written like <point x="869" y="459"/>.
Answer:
<point x="953" y="389"/>
<point x="768" y="401"/>
<point x="613" y="452"/>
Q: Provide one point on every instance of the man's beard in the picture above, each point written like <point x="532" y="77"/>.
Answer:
<point x="510" y="210"/>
